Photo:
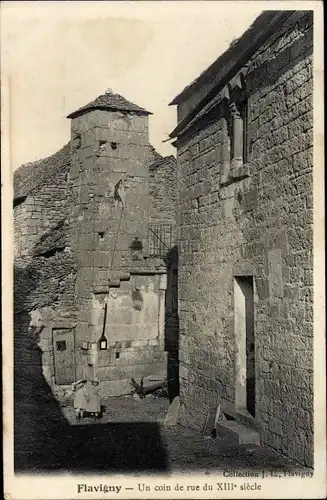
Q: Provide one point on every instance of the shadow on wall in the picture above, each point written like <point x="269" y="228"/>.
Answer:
<point x="44" y="440"/>
<point x="172" y="323"/>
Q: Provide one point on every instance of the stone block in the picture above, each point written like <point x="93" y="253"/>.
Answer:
<point x="275" y="277"/>
<point x="104" y="358"/>
<point x="47" y="358"/>
<point x="137" y="371"/>
<point x="88" y="138"/>
<point x="236" y="433"/>
<point x="262" y="287"/>
<point x="228" y="208"/>
<point x="276" y="426"/>
<point x="114" y="388"/>
<point x="125" y="137"/>
<point x="74" y="171"/>
<point x="121" y="165"/>
<point x="48" y="373"/>
<point x="136" y="357"/>
<point x="132" y="123"/>
<point x="89" y="152"/>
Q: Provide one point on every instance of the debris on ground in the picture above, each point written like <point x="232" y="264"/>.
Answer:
<point x="138" y="388"/>
<point x="158" y="389"/>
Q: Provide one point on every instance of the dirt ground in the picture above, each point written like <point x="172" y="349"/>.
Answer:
<point x="130" y="437"/>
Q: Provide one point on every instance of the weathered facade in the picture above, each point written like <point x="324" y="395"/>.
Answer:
<point x="245" y="218"/>
<point x="94" y="227"/>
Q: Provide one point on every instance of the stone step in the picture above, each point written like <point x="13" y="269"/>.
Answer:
<point x="124" y="276"/>
<point x="234" y="432"/>
<point x="241" y="416"/>
<point x="114" y="283"/>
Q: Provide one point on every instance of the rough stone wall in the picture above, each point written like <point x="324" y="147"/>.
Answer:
<point x="44" y="291"/>
<point x="163" y="191"/>
<point x="42" y="209"/>
<point x="44" y="286"/>
<point x="259" y="226"/>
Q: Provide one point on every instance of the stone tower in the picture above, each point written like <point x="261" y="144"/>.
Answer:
<point x="110" y="215"/>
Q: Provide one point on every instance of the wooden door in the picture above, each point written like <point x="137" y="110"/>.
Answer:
<point x="64" y="359"/>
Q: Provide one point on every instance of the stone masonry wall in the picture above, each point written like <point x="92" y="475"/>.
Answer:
<point x="136" y="346"/>
<point x="42" y="209"/>
<point x="163" y="191"/>
<point x="44" y="292"/>
<point x="44" y="286"/>
<point x="259" y="226"/>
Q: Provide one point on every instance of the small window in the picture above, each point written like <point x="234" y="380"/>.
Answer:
<point x="113" y="145"/>
<point x="117" y="355"/>
<point x="137" y="300"/>
<point x="101" y="235"/>
<point x="61" y="345"/>
<point x="102" y="145"/>
<point x="244" y="116"/>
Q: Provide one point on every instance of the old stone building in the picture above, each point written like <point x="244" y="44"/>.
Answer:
<point x="95" y="263"/>
<point x="245" y="218"/>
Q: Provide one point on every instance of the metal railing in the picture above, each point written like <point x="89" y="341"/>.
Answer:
<point x="160" y="239"/>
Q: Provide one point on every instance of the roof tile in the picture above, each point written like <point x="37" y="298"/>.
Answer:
<point x="33" y="175"/>
<point x="110" y="101"/>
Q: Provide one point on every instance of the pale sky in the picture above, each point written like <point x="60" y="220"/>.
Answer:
<point x="62" y="56"/>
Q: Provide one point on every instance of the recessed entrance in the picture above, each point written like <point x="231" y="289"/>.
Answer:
<point x="245" y="344"/>
<point x="64" y="362"/>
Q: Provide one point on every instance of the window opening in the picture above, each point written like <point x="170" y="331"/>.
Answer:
<point x="244" y="116"/>
<point x="136" y="249"/>
<point x="245" y="343"/>
<point x="102" y="145"/>
<point x="61" y="345"/>
<point x="231" y="132"/>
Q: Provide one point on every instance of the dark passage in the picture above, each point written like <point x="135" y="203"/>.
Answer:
<point x="250" y="347"/>
<point x="172" y="323"/>
<point x="247" y="286"/>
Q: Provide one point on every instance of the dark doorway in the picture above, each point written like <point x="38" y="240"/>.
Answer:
<point x="245" y="344"/>
<point x="172" y="323"/>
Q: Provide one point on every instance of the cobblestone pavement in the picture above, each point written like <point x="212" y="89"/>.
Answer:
<point x="131" y="437"/>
